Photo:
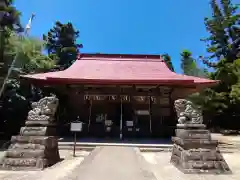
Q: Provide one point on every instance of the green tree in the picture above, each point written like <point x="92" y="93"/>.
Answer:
<point x="189" y="65"/>
<point x="61" y="44"/>
<point x="223" y="45"/>
<point x="167" y="59"/>
<point x="190" y="68"/>
<point x="28" y="54"/>
<point x="9" y="16"/>
<point x="9" y="20"/>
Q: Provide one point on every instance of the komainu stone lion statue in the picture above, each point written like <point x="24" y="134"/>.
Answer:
<point x="44" y="109"/>
<point x="187" y="112"/>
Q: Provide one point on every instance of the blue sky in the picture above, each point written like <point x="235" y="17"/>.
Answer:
<point x="126" y="26"/>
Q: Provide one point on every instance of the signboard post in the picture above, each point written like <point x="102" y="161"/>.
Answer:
<point x="75" y="127"/>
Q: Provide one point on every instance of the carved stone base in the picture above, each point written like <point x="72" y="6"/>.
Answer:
<point x="36" y="147"/>
<point x="31" y="152"/>
<point x="195" y="152"/>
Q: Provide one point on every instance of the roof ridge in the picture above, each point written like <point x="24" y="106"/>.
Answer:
<point x="154" y="56"/>
<point x="121" y="59"/>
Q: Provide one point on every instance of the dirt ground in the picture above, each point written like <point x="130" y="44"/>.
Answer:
<point x="164" y="170"/>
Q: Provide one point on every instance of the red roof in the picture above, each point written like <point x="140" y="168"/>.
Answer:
<point x="119" y="69"/>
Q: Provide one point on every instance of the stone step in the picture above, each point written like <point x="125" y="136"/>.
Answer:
<point x="207" y="165"/>
<point x="193" y="134"/>
<point x="39" y="123"/>
<point x="23" y="163"/>
<point x="27" y="146"/>
<point x="48" y="141"/>
<point x="25" y="153"/>
<point x="37" y="131"/>
<point x="155" y="149"/>
<point x="142" y="147"/>
<point x="198" y="156"/>
<point x="94" y="144"/>
<point x="19" y="168"/>
<point x="195" y="143"/>
<point x="79" y="148"/>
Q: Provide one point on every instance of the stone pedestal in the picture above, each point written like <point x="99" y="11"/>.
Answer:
<point x="195" y="152"/>
<point x="36" y="146"/>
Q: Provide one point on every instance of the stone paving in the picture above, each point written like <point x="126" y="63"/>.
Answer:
<point x="118" y="163"/>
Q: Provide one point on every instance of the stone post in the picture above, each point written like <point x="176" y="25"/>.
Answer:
<point x="193" y="149"/>
<point x="36" y="147"/>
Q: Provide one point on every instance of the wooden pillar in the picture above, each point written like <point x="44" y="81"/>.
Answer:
<point x="150" y="114"/>
<point x="171" y="102"/>
<point x="121" y="119"/>
<point x="121" y="113"/>
<point x="173" y="116"/>
<point x="90" y="114"/>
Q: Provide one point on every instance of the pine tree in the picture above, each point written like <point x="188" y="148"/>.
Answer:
<point x="223" y="44"/>
<point x="61" y="44"/>
<point x="168" y="61"/>
<point x="189" y="65"/>
<point x="9" y="15"/>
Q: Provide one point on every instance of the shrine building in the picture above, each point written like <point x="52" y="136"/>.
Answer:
<point x="120" y="95"/>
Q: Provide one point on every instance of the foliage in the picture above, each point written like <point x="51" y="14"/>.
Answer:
<point x="28" y="57"/>
<point x="223" y="43"/>
<point x="223" y="47"/>
<point x="14" y="109"/>
<point x="61" y="44"/>
<point x="9" y="21"/>
<point x="28" y="54"/>
<point x="10" y="17"/>
<point x="189" y="65"/>
<point x="190" y="68"/>
<point x="168" y="61"/>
